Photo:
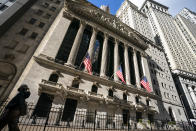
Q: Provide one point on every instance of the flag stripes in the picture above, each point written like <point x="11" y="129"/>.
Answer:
<point x="120" y="75"/>
<point x="145" y="84"/>
<point x="87" y="63"/>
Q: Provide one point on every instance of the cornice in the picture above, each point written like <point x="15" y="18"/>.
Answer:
<point x="154" y="3"/>
<point x="184" y="74"/>
<point x="87" y="11"/>
<point x="50" y="63"/>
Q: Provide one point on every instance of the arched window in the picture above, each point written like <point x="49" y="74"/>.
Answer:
<point x="137" y="99"/>
<point x="94" y="89"/>
<point x="76" y="82"/>
<point x="148" y="102"/>
<point x="110" y="93"/>
<point x="124" y="97"/>
<point x="171" y="114"/>
<point x="54" y="77"/>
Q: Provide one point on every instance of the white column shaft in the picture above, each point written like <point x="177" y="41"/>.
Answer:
<point x="104" y="57"/>
<point x="92" y="44"/>
<point x="127" y="67"/>
<point x="137" y="77"/>
<point x="116" y="60"/>
<point x="76" y="45"/>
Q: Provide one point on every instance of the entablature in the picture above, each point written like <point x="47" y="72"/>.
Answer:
<point x="88" y="12"/>
<point x="50" y="63"/>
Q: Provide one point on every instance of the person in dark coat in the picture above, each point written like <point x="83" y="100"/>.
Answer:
<point x="15" y="108"/>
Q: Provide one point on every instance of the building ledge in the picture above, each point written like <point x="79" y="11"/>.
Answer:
<point x="139" y="107"/>
<point x="49" y="62"/>
<point x="95" y="96"/>
<point x="151" y="109"/>
<point x="49" y="87"/>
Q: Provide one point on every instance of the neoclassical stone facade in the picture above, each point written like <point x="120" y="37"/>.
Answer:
<point x="56" y="75"/>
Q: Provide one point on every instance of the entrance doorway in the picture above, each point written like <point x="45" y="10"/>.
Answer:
<point x="69" y="110"/>
<point x="125" y="116"/>
<point x="138" y="116"/>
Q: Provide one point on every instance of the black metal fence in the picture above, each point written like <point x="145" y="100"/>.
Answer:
<point x="56" y="120"/>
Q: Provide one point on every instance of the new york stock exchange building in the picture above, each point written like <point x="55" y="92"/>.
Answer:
<point x="67" y="94"/>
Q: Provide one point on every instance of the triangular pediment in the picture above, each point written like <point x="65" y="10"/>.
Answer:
<point x="92" y="13"/>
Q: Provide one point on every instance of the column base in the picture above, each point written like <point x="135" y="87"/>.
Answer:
<point x="128" y="84"/>
<point x="70" y="65"/>
<point x="103" y="76"/>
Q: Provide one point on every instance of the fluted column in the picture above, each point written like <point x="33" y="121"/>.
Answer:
<point x="137" y="76"/>
<point x="191" y="91"/>
<point x="92" y="43"/>
<point x="76" y="44"/>
<point x="127" y="67"/>
<point x="145" y="68"/>
<point x="116" y="60"/>
<point x="104" y="56"/>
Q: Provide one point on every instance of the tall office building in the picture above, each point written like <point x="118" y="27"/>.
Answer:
<point x="179" y="52"/>
<point x="162" y="80"/>
<point x="188" y="14"/>
<point x="57" y="77"/>
<point x="188" y="31"/>
<point x="21" y="39"/>
<point x="130" y="15"/>
<point x="10" y="11"/>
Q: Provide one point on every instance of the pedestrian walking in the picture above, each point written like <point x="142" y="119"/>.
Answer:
<point x="16" y="107"/>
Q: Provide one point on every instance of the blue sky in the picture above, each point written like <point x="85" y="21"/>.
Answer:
<point x="174" y="5"/>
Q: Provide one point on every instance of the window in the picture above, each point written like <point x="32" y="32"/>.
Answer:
<point x="33" y="35"/>
<point x="94" y="89"/>
<point x="76" y="82"/>
<point x="137" y="99"/>
<point x="23" y="31"/>
<point x="45" y="5"/>
<point x="23" y="48"/>
<point x="53" y="9"/>
<point x="39" y="12"/>
<point x="147" y="102"/>
<point x="110" y="93"/>
<point x="58" y="2"/>
<point x="12" y="45"/>
<point x="3" y="7"/>
<point x="47" y="16"/>
<point x="124" y="97"/>
<point x="54" y="77"/>
<point x="41" y="25"/>
<point x="32" y="21"/>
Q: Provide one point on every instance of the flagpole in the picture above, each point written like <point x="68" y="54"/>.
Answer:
<point x="115" y="72"/>
<point x="85" y="56"/>
<point x="83" y="59"/>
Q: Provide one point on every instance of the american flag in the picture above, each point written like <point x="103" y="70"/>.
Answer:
<point x="87" y="63"/>
<point x="120" y="75"/>
<point x="145" y="84"/>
